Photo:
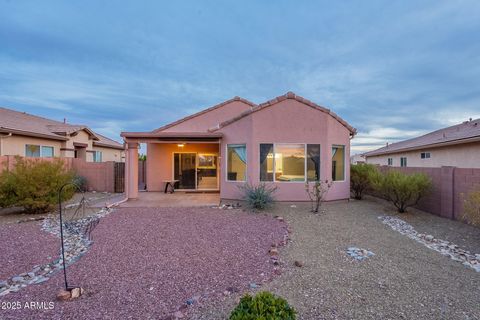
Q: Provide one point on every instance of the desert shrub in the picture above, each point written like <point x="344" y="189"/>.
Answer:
<point x="471" y="208"/>
<point x="361" y="176"/>
<point x="80" y="182"/>
<point x="34" y="184"/>
<point x="403" y="190"/>
<point x="317" y="191"/>
<point x="263" y="305"/>
<point x="258" y="197"/>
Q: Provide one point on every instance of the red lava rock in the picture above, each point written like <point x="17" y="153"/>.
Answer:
<point x="25" y="245"/>
<point x="181" y="252"/>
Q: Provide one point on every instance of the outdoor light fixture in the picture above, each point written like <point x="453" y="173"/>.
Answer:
<point x="181" y="145"/>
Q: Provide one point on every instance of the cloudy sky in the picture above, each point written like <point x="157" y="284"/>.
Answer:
<point x="392" y="69"/>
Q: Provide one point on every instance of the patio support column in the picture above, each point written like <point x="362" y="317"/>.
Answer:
<point x="131" y="174"/>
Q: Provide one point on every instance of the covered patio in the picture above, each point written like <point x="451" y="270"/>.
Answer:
<point x="190" y="161"/>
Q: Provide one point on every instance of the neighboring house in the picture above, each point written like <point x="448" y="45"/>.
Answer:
<point x="283" y="142"/>
<point x="457" y="146"/>
<point x="357" y="158"/>
<point x="27" y="135"/>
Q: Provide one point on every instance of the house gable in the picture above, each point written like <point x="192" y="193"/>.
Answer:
<point x="279" y="100"/>
<point x="205" y="119"/>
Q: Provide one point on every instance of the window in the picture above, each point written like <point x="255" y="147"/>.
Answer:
<point x="425" y="155"/>
<point x="403" y="162"/>
<point x="338" y="163"/>
<point x="47" y="152"/>
<point x="313" y="162"/>
<point x="97" y="156"/>
<point x="236" y="162"/>
<point x="289" y="162"/>
<point x="32" y="150"/>
<point x="266" y="162"/>
<point x="390" y="161"/>
<point x="285" y="162"/>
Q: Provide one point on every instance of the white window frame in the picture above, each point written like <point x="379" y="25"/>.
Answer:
<point x="95" y="152"/>
<point x="344" y="162"/>
<point x="425" y="155"/>
<point x="41" y="151"/>
<point x="402" y="161"/>
<point x="390" y="162"/>
<point x="226" y="163"/>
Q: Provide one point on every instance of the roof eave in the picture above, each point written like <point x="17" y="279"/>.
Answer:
<point x="32" y="134"/>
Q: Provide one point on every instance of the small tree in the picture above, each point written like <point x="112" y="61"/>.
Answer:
<point x="361" y="178"/>
<point x="258" y="197"/>
<point x="316" y="192"/>
<point x="403" y="190"/>
<point x="264" y="305"/>
<point x="34" y="184"/>
<point x="471" y="208"/>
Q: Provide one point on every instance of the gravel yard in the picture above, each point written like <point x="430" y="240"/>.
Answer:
<point x="403" y="280"/>
<point x="150" y="262"/>
<point x="23" y="246"/>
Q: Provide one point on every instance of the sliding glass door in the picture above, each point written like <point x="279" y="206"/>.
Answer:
<point x="196" y="171"/>
<point x="185" y="169"/>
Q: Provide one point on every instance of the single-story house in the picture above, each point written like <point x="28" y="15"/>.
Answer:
<point x="457" y="146"/>
<point x="27" y="135"/>
<point x="284" y="142"/>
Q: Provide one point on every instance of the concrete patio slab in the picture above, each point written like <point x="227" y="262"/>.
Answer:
<point x="176" y="199"/>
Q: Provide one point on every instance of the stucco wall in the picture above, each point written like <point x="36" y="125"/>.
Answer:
<point x="461" y="156"/>
<point x="15" y="145"/>
<point x="160" y="161"/>
<point x="110" y="154"/>
<point x="210" y="119"/>
<point x="287" y="122"/>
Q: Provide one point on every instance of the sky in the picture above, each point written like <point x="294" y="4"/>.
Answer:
<point x="392" y="69"/>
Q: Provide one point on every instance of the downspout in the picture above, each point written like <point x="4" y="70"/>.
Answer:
<point x="1" y="144"/>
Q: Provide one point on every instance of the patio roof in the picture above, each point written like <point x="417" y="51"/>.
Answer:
<point x="172" y="136"/>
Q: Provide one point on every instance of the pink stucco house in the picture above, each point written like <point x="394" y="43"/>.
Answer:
<point x="285" y="141"/>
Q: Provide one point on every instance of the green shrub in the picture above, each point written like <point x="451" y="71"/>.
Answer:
<point x="471" y="208"/>
<point x="403" y="190"/>
<point x="258" y="197"/>
<point x="81" y="182"/>
<point x="265" y="306"/>
<point x="34" y="184"/>
<point x="361" y="176"/>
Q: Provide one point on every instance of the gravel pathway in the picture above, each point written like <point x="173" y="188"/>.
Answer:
<point x="403" y="280"/>
<point x="151" y="262"/>
<point x="24" y="245"/>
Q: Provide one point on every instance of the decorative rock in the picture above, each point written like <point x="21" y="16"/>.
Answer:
<point x="279" y="218"/>
<point x="444" y="247"/>
<point x="298" y="263"/>
<point x="359" y="254"/>
<point x="17" y="279"/>
<point x="273" y="252"/>
<point x="253" y="285"/>
<point x="178" y="314"/>
<point x="63" y="295"/>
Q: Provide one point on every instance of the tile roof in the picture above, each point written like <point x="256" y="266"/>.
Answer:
<point x="460" y="133"/>
<point x="204" y="111"/>
<point x="22" y="123"/>
<point x="288" y="95"/>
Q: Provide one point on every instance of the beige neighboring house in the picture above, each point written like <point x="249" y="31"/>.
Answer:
<point x="457" y="146"/>
<point x="27" y="135"/>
